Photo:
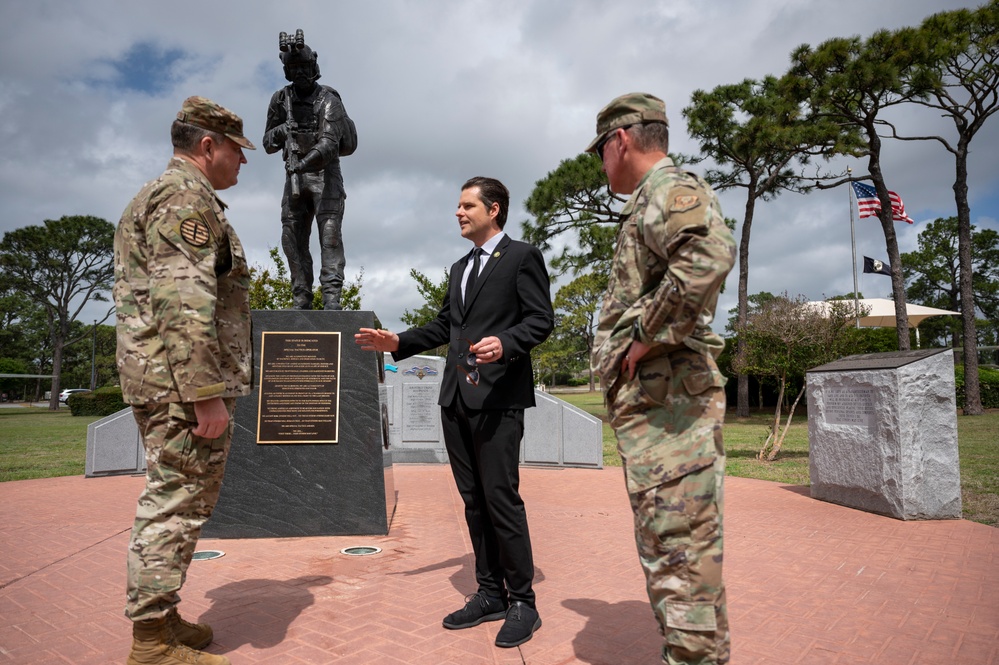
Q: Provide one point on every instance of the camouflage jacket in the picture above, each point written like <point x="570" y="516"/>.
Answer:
<point x="673" y="254"/>
<point x="181" y="293"/>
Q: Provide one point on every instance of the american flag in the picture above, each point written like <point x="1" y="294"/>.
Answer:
<point x="869" y="204"/>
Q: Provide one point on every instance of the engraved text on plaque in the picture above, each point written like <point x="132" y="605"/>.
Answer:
<point x="299" y="396"/>
<point x="849" y="406"/>
<point x="420" y="413"/>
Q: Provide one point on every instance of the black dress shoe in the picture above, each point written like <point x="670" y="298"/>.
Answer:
<point x="478" y="608"/>
<point x="521" y="622"/>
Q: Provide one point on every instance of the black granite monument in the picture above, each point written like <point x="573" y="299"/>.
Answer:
<point x="309" y="454"/>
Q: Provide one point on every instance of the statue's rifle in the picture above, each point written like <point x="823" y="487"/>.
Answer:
<point x="292" y="151"/>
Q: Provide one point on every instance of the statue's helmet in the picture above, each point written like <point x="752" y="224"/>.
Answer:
<point x="295" y="53"/>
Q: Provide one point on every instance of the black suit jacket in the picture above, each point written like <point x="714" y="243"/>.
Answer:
<point x="511" y="300"/>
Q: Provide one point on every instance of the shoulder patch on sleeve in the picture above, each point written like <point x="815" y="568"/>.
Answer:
<point x="194" y="230"/>
<point x="684" y="202"/>
<point x="689" y="209"/>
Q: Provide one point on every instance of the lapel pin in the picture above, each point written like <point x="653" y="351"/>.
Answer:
<point x="496" y="254"/>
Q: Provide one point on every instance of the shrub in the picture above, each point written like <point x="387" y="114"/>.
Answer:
<point x="578" y="381"/>
<point x="101" y="402"/>
<point x="988" y="382"/>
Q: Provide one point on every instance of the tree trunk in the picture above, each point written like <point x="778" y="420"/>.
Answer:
<point x="57" y="345"/>
<point x="742" y="392"/>
<point x="972" y="389"/>
<point x="954" y="300"/>
<point x="779" y="441"/>
<point x="891" y="242"/>
<point x="742" y="400"/>
<point x="589" y="362"/>
<point x="776" y="425"/>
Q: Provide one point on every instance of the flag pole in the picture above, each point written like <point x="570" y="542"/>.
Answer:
<point x="853" y="245"/>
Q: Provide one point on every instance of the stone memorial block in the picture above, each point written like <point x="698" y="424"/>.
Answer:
<point x="560" y="434"/>
<point x="309" y="455"/>
<point x="114" y="446"/>
<point x="413" y="386"/>
<point x="555" y="432"/>
<point x="882" y="434"/>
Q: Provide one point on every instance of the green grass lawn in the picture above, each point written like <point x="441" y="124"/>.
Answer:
<point x="37" y="443"/>
<point x="978" y="447"/>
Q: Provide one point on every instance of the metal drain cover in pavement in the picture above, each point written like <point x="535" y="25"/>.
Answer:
<point x="360" y="551"/>
<point x="204" y="555"/>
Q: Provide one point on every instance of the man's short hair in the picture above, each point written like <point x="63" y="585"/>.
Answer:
<point x="650" y="136"/>
<point x="491" y="191"/>
<point x="186" y="137"/>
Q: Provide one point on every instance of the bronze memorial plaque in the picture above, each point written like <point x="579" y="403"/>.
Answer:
<point x="299" y="380"/>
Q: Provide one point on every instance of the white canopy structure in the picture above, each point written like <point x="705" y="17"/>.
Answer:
<point x="881" y="312"/>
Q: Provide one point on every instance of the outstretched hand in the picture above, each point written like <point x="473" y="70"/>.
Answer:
<point x="370" y="339"/>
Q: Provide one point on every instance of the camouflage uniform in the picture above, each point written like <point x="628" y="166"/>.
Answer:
<point x="183" y="321"/>
<point x="673" y="254"/>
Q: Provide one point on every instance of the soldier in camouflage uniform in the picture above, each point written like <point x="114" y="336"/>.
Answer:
<point x="309" y="125"/>
<point x="655" y="354"/>
<point x="184" y="355"/>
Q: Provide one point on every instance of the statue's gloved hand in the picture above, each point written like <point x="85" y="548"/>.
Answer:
<point x="279" y="134"/>
<point x="311" y="162"/>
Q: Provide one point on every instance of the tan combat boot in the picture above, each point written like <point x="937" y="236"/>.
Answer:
<point x="194" y="635"/>
<point x="154" y="644"/>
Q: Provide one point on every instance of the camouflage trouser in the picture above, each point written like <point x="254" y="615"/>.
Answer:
<point x="678" y="530"/>
<point x="668" y="421"/>
<point x="183" y="479"/>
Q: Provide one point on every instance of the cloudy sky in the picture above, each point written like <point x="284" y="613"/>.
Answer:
<point x="439" y="91"/>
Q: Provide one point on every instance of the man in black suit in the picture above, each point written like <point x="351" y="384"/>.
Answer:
<point x="497" y="308"/>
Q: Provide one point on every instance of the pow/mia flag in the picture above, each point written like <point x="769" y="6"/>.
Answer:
<point x="873" y="265"/>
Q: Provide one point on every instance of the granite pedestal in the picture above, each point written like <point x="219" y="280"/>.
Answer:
<point x="882" y="434"/>
<point x="311" y="489"/>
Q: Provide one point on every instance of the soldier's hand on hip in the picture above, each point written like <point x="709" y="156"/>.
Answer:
<point x="633" y="356"/>
<point x="213" y="418"/>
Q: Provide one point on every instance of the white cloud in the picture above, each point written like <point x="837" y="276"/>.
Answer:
<point x="440" y="92"/>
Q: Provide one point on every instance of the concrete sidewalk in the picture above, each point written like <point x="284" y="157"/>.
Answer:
<point x="809" y="582"/>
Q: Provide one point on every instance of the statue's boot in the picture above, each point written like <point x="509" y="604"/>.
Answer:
<point x="331" y="300"/>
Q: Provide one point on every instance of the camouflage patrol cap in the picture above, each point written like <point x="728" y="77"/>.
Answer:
<point x="208" y="115"/>
<point x="631" y="109"/>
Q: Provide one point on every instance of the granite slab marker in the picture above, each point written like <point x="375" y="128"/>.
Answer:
<point x="882" y="434"/>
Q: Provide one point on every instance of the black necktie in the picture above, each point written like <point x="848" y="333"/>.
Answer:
<point x="474" y="275"/>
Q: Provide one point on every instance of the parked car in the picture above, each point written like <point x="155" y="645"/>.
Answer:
<point x="64" y="395"/>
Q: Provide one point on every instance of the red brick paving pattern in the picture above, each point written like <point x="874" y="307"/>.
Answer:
<point x="809" y="582"/>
